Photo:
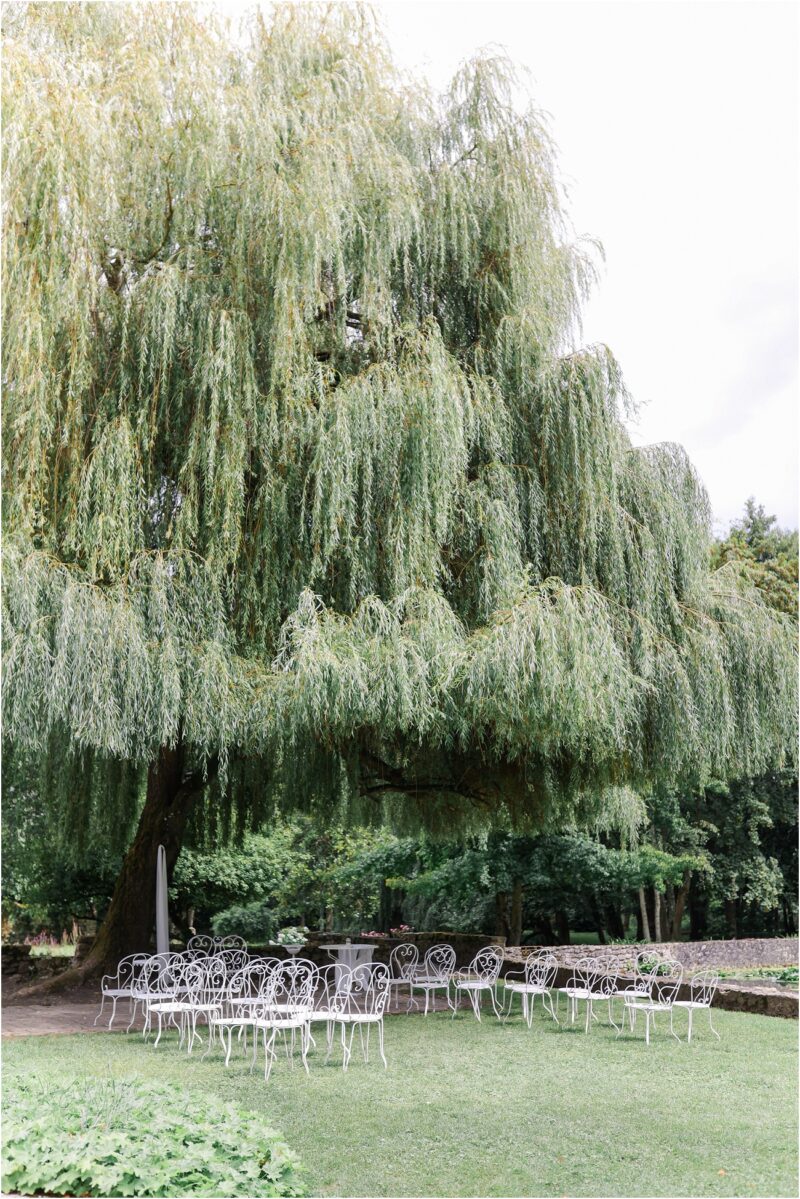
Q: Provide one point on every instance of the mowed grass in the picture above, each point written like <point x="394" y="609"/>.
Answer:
<point x="492" y="1109"/>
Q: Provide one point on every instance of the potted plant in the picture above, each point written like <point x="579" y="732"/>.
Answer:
<point x="292" y="938"/>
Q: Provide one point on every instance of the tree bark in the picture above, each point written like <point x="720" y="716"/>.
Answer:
<point x="643" y="910"/>
<point x="730" y="919"/>
<point x="680" y="905"/>
<point x="515" y="930"/>
<point x="130" y="921"/>
<point x="501" y="925"/>
<point x="562" y="927"/>
<point x="656" y="915"/>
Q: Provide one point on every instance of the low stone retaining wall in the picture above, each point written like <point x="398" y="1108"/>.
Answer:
<point x="20" y="967"/>
<point x="693" y="955"/>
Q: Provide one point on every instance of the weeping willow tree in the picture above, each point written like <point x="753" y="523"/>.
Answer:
<point x="308" y="488"/>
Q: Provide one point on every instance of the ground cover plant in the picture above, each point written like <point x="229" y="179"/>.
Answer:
<point x="468" y="1109"/>
<point x="73" y="1135"/>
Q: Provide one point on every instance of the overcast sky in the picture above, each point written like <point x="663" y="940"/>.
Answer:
<point x="677" y="125"/>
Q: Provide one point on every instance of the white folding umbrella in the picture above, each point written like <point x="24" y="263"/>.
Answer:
<point x="162" y="912"/>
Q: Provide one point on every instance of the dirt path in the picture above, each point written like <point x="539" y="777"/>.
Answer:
<point x="78" y="1014"/>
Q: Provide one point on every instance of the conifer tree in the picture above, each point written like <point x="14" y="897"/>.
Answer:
<point x="308" y="489"/>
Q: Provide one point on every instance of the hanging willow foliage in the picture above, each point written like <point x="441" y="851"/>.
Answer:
<point x="301" y="463"/>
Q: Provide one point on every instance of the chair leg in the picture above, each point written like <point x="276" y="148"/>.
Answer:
<point x="647" y="1027"/>
<point x="102" y="1005"/>
<point x="380" y="1044"/>
<point x="711" y="1026"/>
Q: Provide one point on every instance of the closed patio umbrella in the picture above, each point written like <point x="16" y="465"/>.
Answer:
<point x="162" y="913"/>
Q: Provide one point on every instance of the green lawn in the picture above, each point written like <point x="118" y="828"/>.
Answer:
<point x="468" y="1109"/>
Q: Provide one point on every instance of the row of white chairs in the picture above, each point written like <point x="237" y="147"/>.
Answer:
<point x="655" y="990"/>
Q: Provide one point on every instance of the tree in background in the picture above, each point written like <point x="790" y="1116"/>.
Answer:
<point x="309" y="494"/>
<point x="766" y="555"/>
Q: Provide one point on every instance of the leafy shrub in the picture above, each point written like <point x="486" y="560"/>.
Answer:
<point x="81" y="1136"/>
<point x="254" y="921"/>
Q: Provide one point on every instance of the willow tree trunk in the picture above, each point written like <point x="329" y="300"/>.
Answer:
<point x="129" y="923"/>
<point x="515" y="931"/>
<point x="643" y="911"/>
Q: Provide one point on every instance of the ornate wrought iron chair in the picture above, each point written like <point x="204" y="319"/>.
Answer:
<point x="536" y="978"/>
<point x="702" y="989"/>
<point x="480" y="978"/>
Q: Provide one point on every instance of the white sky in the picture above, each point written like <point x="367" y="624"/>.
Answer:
<point x="677" y="124"/>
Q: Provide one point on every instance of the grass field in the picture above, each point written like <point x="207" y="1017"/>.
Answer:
<point x="469" y="1109"/>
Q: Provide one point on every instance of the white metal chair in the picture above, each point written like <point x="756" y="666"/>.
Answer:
<point x="664" y="987"/>
<point x="248" y="995"/>
<point x="582" y="985"/>
<point x="434" y="974"/>
<point x="121" y="985"/>
<point x="702" y="989"/>
<point x="288" y="1010"/>
<point x="647" y="961"/>
<point x="331" y="981"/>
<point x="403" y="961"/>
<point x="362" y="1004"/>
<point x="537" y="978"/>
<point x="197" y="990"/>
<point x="157" y="981"/>
<point x="479" y="978"/>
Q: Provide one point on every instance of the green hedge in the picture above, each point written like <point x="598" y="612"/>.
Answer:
<point x="110" y="1137"/>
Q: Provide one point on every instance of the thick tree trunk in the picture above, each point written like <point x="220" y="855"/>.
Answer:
<point x="614" y="922"/>
<point x="562" y="927"/>
<point x="597" y="920"/>
<point x="680" y="905"/>
<point x="644" y="920"/>
<point x="656" y="915"/>
<point x="501" y="925"/>
<point x="731" y="923"/>
<point x="515" y="930"/>
<point x="130" y="921"/>
<point x="698" y="914"/>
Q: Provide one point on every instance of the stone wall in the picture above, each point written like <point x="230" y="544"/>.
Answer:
<point x="466" y="946"/>
<point x="693" y="955"/>
<point x="19" y="967"/>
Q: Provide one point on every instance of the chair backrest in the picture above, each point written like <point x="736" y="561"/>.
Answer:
<point x="648" y="962"/>
<point x="403" y="960"/>
<point x="703" y="987"/>
<point x="665" y="984"/>
<point x="585" y="974"/>
<point x="128" y="970"/>
<point x="295" y="982"/>
<point x="200" y="943"/>
<point x="439" y="961"/>
<point x="486" y="963"/>
<point x="540" y="969"/>
<point x="333" y="981"/>
<point x="365" y="990"/>
<point x="234" y="959"/>
<point x="170" y="974"/>
<point x="203" y="943"/>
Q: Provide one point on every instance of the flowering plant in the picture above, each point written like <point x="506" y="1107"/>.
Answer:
<point x="401" y="930"/>
<point x="372" y="934"/>
<point x="291" y="935"/>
